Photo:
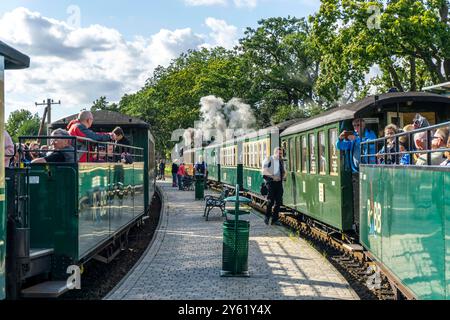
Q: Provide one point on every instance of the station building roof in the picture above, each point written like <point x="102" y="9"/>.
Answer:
<point x="13" y="58"/>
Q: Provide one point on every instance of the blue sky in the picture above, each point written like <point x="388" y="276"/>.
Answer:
<point x="77" y="64"/>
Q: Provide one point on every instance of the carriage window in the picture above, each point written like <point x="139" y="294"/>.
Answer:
<point x="333" y="152"/>
<point x="264" y="151"/>
<point x="246" y="155"/>
<point x="291" y="155"/>
<point x="284" y="146"/>
<point x="254" y="155"/>
<point x="297" y="154"/>
<point x="233" y="156"/>
<point x="259" y="154"/>
<point x="322" y="154"/>
<point x="251" y="155"/>
<point x="312" y="154"/>
<point x="304" y="154"/>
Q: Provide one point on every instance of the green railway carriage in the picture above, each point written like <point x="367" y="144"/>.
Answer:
<point x="94" y="202"/>
<point x="405" y="225"/>
<point x="231" y="173"/>
<point x="9" y="59"/>
<point x="319" y="183"/>
<point x="258" y="146"/>
<point x="136" y="131"/>
<point x="212" y="159"/>
<point x="74" y="212"/>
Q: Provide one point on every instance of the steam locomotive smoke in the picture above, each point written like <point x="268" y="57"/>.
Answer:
<point x="225" y="120"/>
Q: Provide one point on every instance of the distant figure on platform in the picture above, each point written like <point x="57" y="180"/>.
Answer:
<point x="174" y="174"/>
<point x="200" y="168"/>
<point x="274" y="173"/>
<point x="180" y="175"/>
<point x="162" y="170"/>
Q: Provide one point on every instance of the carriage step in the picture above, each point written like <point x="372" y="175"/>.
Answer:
<point x="49" y="289"/>
<point x="40" y="253"/>
<point x="40" y="262"/>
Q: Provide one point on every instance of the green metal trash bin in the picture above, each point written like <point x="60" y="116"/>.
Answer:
<point x="199" y="187"/>
<point x="235" y="240"/>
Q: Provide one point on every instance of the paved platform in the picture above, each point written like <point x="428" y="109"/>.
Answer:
<point x="185" y="259"/>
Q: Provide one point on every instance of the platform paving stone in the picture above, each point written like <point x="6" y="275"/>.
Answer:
<point x="184" y="261"/>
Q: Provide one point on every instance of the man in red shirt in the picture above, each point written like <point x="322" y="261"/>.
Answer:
<point x="80" y="128"/>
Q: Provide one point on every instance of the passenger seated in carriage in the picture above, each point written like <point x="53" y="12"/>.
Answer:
<point x="63" y="150"/>
<point x="439" y="142"/>
<point x="389" y="131"/>
<point x="447" y="154"/>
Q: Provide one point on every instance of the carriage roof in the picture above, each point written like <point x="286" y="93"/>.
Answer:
<point x="355" y="109"/>
<point x="13" y="58"/>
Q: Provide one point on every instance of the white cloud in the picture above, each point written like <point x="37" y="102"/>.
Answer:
<point x="205" y="2"/>
<point x="237" y="3"/>
<point x="222" y="34"/>
<point x="246" y="3"/>
<point x="80" y="65"/>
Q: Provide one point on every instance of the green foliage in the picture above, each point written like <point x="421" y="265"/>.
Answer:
<point x="22" y="123"/>
<point x="102" y="104"/>
<point x="289" y="68"/>
<point x="283" y="66"/>
<point x="411" y="45"/>
<point x="170" y="99"/>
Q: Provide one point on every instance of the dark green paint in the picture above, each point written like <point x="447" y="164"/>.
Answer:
<point x="412" y="242"/>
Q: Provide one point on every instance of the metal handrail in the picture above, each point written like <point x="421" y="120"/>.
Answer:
<point x="410" y="134"/>
<point x="139" y="151"/>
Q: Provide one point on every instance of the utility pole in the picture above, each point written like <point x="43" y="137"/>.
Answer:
<point x="48" y="113"/>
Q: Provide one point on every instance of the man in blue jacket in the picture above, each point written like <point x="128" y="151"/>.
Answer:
<point x="350" y="142"/>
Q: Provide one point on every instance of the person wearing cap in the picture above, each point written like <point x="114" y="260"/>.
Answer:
<point x="63" y="150"/>
<point x="420" y="122"/>
<point x="439" y="141"/>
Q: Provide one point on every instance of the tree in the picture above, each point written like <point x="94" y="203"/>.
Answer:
<point x="22" y="123"/>
<point x="102" y="104"/>
<point x="170" y="99"/>
<point x="283" y="67"/>
<point x="408" y="39"/>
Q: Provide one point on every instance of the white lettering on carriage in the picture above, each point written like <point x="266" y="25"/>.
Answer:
<point x="374" y="217"/>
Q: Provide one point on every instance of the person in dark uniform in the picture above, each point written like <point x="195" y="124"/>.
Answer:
<point x="274" y="173"/>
